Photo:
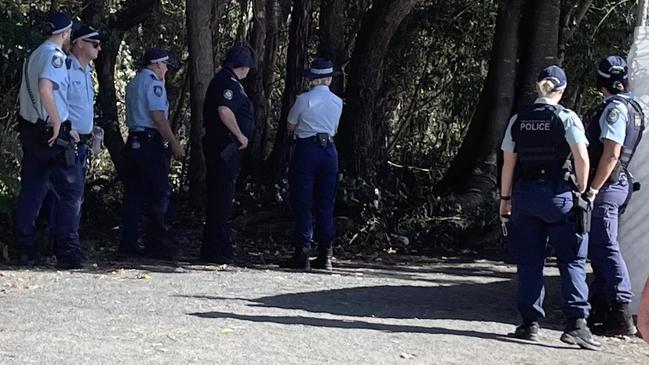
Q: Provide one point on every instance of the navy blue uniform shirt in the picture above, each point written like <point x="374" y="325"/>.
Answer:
<point x="225" y="89"/>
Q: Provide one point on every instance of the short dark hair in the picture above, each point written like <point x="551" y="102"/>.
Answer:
<point x="612" y="86"/>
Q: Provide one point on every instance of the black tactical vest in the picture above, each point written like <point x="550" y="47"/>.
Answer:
<point x="539" y="135"/>
<point x="634" y="129"/>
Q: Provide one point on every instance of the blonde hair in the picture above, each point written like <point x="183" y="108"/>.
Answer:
<point x="320" y="81"/>
<point x="546" y="88"/>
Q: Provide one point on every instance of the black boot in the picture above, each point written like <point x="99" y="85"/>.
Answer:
<point x="599" y="311"/>
<point x="577" y="333"/>
<point x="619" y="321"/>
<point x="529" y="330"/>
<point x="299" y="261"/>
<point x="323" y="261"/>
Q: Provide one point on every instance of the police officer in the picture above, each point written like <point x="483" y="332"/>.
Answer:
<point x="81" y="94"/>
<point x="313" y="121"/>
<point x="536" y="146"/>
<point x="147" y="153"/>
<point x="229" y="124"/>
<point x="48" y="145"/>
<point x="614" y="134"/>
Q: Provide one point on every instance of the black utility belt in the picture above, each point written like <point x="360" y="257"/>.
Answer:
<point x="322" y="138"/>
<point x="144" y="132"/>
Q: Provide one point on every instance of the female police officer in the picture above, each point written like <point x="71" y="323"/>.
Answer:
<point x="537" y="144"/>
<point x="313" y="120"/>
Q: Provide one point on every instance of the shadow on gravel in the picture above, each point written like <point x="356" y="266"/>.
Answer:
<point x="349" y="324"/>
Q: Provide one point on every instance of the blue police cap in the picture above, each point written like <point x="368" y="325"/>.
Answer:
<point x="613" y="68"/>
<point x="155" y="55"/>
<point x="555" y="74"/>
<point x="86" y="32"/>
<point x="239" y="56"/>
<point x="320" y="68"/>
<point x="57" y="23"/>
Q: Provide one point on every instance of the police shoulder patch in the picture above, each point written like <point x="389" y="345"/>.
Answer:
<point x="612" y="116"/>
<point x="57" y="61"/>
<point x="157" y="90"/>
<point x="227" y="94"/>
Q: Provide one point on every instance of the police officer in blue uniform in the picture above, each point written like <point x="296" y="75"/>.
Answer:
<point x="147" y="153"/>
<point x="228" y="115"/>
<point x="48" y="144"/>
<point x="534" y="191"/>
<point x="86" y="44"/>
<point x="614" y="134"/>
<point x="313" y="121"/>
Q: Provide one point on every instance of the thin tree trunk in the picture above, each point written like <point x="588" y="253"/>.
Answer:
<point x="332" y="37"/>
<point x="299" y="36"/>
<point x="201" y="70"/>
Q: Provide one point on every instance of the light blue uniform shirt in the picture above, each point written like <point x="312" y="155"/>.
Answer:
<point x="46" y="62"/>
<point x="81" y="96"/>
<point x="316" y="111"/>
<point x="145" y="94"/>
<point x="613" y="120"/>
<point x="575" y="132"/>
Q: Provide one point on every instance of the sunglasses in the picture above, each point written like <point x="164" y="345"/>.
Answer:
<point x="95" y="44"/>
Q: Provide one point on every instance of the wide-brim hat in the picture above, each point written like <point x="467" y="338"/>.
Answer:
<point x="320" y="68"/>
<point x="87" y="32"/>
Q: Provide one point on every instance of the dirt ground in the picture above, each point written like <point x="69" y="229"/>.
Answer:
<point x="417" y="312"/>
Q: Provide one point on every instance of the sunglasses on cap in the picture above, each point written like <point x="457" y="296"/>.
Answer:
<point x="95" y="44"/>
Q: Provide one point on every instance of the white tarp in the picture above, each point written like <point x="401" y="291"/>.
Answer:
<point x="634" y="224"/>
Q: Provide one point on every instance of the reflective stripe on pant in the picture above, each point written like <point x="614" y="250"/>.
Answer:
<point x="611" y="278"/>
<point x="540" y="217"/>
<point x="312" y="187"/>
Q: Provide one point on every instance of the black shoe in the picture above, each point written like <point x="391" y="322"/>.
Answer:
<point x="619" y="321"/>
<point x="599" y="310"/>
<point x="218" y="259"/>
<point x="27" y="259"/>
<point x="166" y="252"/>
<point x="527" y="331"/>
<point x="323" y="261"/>
<point x="71" y="261"/>
<point x="298" y="261"/>
<point x="577" y="333"/>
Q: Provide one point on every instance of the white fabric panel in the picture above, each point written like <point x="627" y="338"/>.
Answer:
<point x="634" y="224"/>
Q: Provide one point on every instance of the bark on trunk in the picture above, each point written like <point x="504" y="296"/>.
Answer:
<point x="201" y="70"/>
<point x="363" y="142"/>
<point x="332" y="37"/>
<point x="474" y="166"/>
<point x="299" y="36"/>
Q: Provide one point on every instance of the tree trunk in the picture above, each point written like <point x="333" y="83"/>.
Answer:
<point x="332" y="37"/>
<point x="130" y="15"/>
<point x="216" y="11"/>
<point x="299" y="36"/>
<point x="363" y="142"/>
<point x="541" y="22"/>
<point x="474" y="166"/>
<point x="255" y="84"/>
<point x="201" y="71"/>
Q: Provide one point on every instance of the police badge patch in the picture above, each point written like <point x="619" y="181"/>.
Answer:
<point x="227" y="94"/>
<point x="612" y="116"/>
<point x="57" y="61"/>
<point x="157" y="90"/>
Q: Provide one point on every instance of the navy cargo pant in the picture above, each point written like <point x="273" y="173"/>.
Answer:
<point x="313" y="183"/>
<point x="540" y="215"/>
<point x="41" y="166"/>
<point x="611" y="278"/>
<point x="221" y="180"/>
<point x="147" y="161"/>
